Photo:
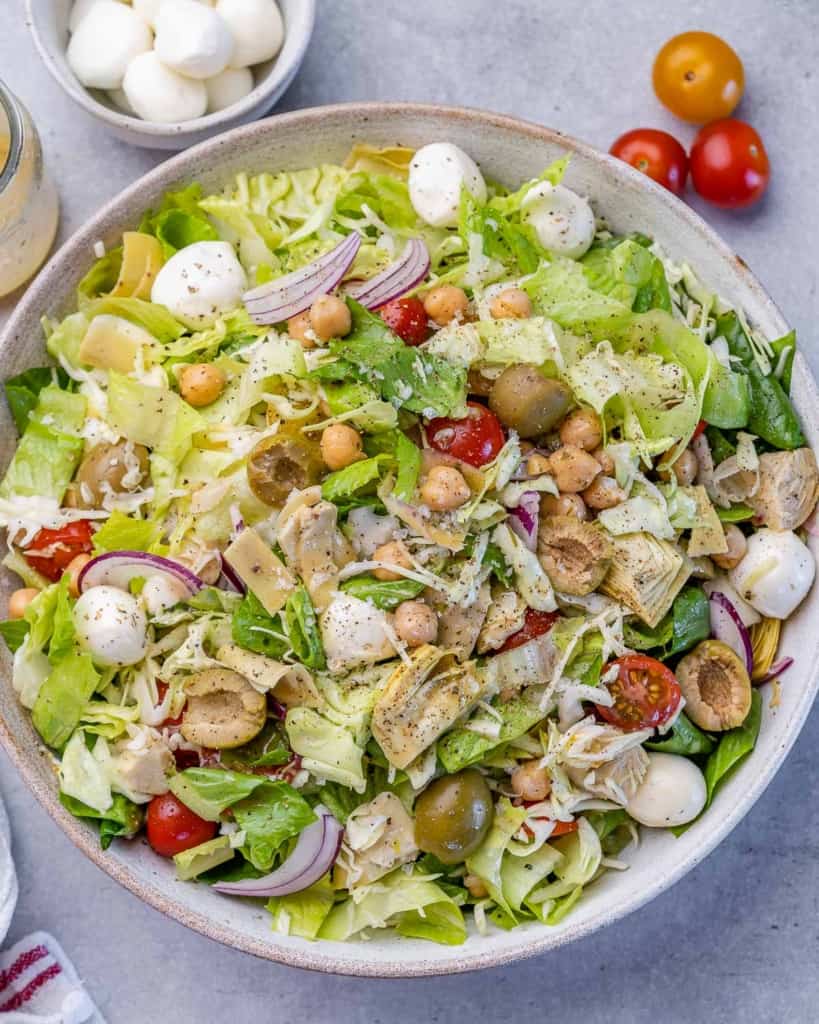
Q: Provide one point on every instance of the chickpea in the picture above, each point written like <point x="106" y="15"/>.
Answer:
<point x="583" y="429"/>
<point x="737" y="546"/>
<point x="537" y="464"/>
<point x="530" y="781"/>
<point x="573" y="469"/>
<point x="340" y="446"/>
<point x="330" y="318"/>
<point x="416" y="623"/>
<point x="201" y="384"/>
<point x="446" y="303"/>
<point x="686" y="468"/>
<point x="565" y="505"/>
<point x="20" y="600"/>
<point x="475" y="887"/>
<point x="445" y="488"/>
<point x="396" y="554"/>
<point x="74" y="568"/>
<point x="300" y="328"/>
<point x="605" y="460"/>
<point x="511" y="302"/>
<point x="604" y="492"/>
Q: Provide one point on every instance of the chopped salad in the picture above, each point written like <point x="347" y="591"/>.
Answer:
<point x="395" y="545"/>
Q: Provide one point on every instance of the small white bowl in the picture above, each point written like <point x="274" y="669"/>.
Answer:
<point x="48" y="20"/>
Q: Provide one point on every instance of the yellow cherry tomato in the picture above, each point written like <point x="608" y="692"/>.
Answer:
<point x="698" y="77"/>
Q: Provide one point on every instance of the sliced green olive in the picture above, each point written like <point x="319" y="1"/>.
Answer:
<point x="453" y="815"/>
<point x="526" y="401"/>
<point x="279" y="465"/>
<point x="716" y="686"/>
<point x="223" y="710"/>
<point x="104" y="467"/>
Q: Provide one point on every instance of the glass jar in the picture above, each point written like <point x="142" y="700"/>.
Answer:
<point x="29" y="207"/>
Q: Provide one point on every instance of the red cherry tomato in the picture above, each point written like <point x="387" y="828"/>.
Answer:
<point x="655" y="153"/>
<point x="51" y="551"/>
<point x="646" y="694"/>
<point x="562" y="828"/>
<point x="476" y="439"/>
<point x="535" y="625"/>
<point x="172" y="827"/>
<point x="162" y="689"/>
<point x="729" y="165"/>
<point x="407" y="318"/>
<point x="699" y="429"/>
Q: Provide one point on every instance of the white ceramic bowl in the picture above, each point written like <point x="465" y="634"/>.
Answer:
<point x="510" y="151"/>
<point x="48" y="20"/>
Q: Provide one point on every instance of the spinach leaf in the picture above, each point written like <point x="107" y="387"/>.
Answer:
<point x="691" y="620"/>
<point x="383" y="594"/>
<point x="734" y="746"/>
<point x="494" y="559"/>
<point x="14" y="632"/>
<point x="255" y="630"/>
<point x="642" y="637"/>
<point x="408" y="457"/>
<point x="102" y="277"/>
<point x="270" y="816"/>
<point x="654" y="294"/>
<point x="721" y="447"/>
<point x="612" y="828"/>
<point x="123" y="819"/>
<point x="353" y="479"/>
<point x="268" y="749"/>
<point x="302" y="629"/>
<point x="340" y="800"/>
<point x="784" y="351"/>
<point x="236" y="870"/>
<point x="684" y="738"/>
<point x="23" y="390"/>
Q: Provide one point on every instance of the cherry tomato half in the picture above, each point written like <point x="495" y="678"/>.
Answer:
<point x="646" y="693"/>
<point x="562" y="828"/>
<point x="407" y="318"/>
<point x="535" y="625"/>
<point x="699" y="429"/>
<point x="172" y="827"/>
<point x="729" y="165"/>
<point x="51" y="551"/>
<point x="656" y="154"/>
<point x="476" y="439"/>
<point x="698" y="77"/>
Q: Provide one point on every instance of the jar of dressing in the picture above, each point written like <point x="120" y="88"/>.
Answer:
<point x="29" y="207"/>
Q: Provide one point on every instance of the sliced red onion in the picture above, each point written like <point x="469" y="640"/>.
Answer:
<point x="524" y="518"/>
<point x="399" y="277"/>
<point x="118" y="568"/>
<point x="774" y="671"/>
<point x="314" y="855"/>
<point x="727" y="626"/>
<point x="230" y="579"/>
<point x="278" y="300"/>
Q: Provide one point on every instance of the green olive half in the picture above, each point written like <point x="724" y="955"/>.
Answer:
<point x="453" y="815"/>
<point x="279" y="465"/>
<point x="105" y="466"/>
<point x="526" y="401"/>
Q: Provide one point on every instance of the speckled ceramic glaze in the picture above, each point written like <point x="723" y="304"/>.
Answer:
<point x="510" y="151"/>
<point x="48" y="21"/>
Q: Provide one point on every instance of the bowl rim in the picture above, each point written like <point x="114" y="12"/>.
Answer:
<point x="275" y="82"/>
<point x="312" y="958"/>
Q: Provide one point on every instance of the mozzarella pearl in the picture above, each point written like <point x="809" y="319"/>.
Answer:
<point x="162" y="592"/>
<point x="111" y="626"/>
<point x="672" y="792"/>
<point x="120" y="100"/>
<point x="79" y="10"/>
<point x="354" y="632"/>
<point x="436" y="175"/>
<point x="200" y="282"/>
<point x="192" y="39"/>
<point x="157" y="93"/>
<point x="257" y="29"/>
<point x="228" y="87"/>
<point x="775" y="574"/>
<point x="107" y="40"/>
<point x="563" y="221"/>
<point x="149" y="9"/>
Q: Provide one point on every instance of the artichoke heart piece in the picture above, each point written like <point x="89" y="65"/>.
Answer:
<point x="416" y="707"/>
<point x="708" y="536"/>
<point x="575" y="555"/>
<point x="646" y="575"/>
<point x="788" y="488"/>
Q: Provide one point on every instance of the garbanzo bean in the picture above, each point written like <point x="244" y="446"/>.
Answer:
<point x="340" y="446"/>
<point x="201" y="384"/>
<point x="20" y="600"/>
<point x="511" y="302"/>
<point x="445" y="304"/>
<point x="330" y="318"/>
<point x="537" y="464"/>
<point x="74" y="568"/>
<point x="737" y="546"/>
<point x="604" y="492"/>
<point x="395" y="553"/>
<point x="573" y="469"/>
<point x="686" y="468"/>
<point x="416" y="623"/>
<point x="565" y="505"/>
<point x="530" y="781"/>
<point x="300" y="328"/>
<point x="582" y="428"/>
<point x="445" y="488"/>
<point x="605" y="460"/>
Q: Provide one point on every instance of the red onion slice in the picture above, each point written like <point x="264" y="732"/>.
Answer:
<point x="398" y="278"/>
<point x="314" y="855"/>
<point x="278" y="300"/>
<point x="118" y="568"/>
<point x="774" y="671"/>
<point x="727" y="626"/>
<point x="229" y="578"/>
<point x="523" y="519"/>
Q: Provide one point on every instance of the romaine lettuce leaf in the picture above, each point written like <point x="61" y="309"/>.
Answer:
<point x="384" y="594"/>
<point x="204" y="857"/>
<point x="22" y="391"/>
<point x="121" y="532"/>
<point x="83" y="777"/>
<point x="328" y="750"/>
<point x="210" y="791"/>
<point x="123" y="819"/>
<point x="487" y="860"/>
<point x="63" y="339"/>
<point x="269" y="817"/>
<point x="154" y="318"/>
<point x="14" y="632"/>
<point x="302" y="629"/>
<point x="303" y="913"/>
<point x="62" y="697"/>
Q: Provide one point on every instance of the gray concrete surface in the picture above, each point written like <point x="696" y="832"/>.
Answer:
<point x="738" y="939"/>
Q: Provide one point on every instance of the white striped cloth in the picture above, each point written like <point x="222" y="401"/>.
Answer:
<point x="38" y="983"/>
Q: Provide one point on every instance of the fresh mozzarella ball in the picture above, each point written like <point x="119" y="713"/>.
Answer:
<point x="672" y="792"/>
<point x="200" y="282"/>
<point x="105" y="43"/>
<point x="110" y="626"/>
<point x="162" y="592"/>
<point x="227" y="88"/>
<point x="79" y="10"/>
<point x="120" y="101"/>
<point x="160" y="94"/>
<point x="192" y="39"/>
<point x="257" y="29"/>
<point x="148" y="9"/>
<point x="354" y="632"/>
<point x="436" y="175"/>
<point x="776" y="572"/>
<point x="563" y="221"/>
